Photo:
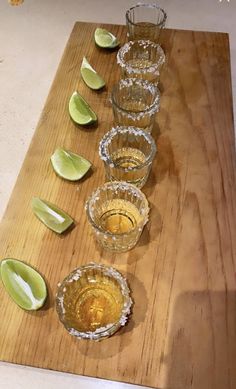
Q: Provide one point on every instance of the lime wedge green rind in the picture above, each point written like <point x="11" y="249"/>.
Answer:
<point x="91" y="78"/>
<point x="80" y="111"/>
<point x="105" y="39"/>
<point x="25" y="285"/>
<point x="68" y="165"/>
<point x="52" y="216"/>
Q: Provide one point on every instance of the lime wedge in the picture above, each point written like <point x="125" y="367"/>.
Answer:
<point x="24" y="284"/>
<point x="90" y="76"/>
<point x="105" y="39"/>
<point x="52" y="216"/>
<point x="80" y="111"/>
<point x="69" y="165"/>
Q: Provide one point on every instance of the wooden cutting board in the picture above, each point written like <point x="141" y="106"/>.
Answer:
<point x="182" y="332"/>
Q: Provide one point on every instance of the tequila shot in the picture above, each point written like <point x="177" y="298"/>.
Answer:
<point x="145" y="21"/>
<point x="117" y="212"/>
<point x="93" y="302"/>
<point x="135" y="102"/>
<point x="127" y="153"/>
<point x="141" y="59"/>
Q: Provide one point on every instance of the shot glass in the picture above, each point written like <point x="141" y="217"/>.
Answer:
<point x="127" y="153"/>
<point x="117" y="212"/>
<point x="141" y="59"/>
<point x="145" y="21"/>
<point x="93" y="302"/>
<point x="135" y="103"/>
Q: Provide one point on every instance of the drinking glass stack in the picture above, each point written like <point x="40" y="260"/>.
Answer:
<point x="118" y="210"/>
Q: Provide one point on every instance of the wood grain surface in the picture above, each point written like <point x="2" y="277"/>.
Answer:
<point x="182" y="333"/>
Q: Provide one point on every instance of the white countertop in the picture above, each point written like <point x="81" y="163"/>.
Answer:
<point x="32" y="39"/>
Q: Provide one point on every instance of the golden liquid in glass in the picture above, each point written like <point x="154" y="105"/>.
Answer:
<point x="119" y="216"/>
<point x="140" y="63"/>
<point x="143" y="65"/>
<point x="92" y="302"/>
<point x="144" y="120"/>
<point x="128" y="157"/>
<point x="145" y="30"/>
<point x="134" y="106"/>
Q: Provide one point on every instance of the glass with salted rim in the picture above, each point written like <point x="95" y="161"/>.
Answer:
<point x="93" y="302"/>
<point x="127" y="153"/>
<point x="141" y="59"/>
<point x="135" y="102"/>
<point x="145" y="21"/>
<point x="117" y="212"/>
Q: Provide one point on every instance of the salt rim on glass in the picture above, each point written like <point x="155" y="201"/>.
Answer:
<point x="144" y="45"/>
<point x="104" y="331"/>
<point x="146" y="86"/>
<point x="137" y="132"/>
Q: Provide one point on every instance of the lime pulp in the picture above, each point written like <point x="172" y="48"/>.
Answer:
<point x="91" y="78"/>
<point x="25" y="285"/>
<point x="80" y="111"/>
<point x="105" y="39"/>
<point x="68" y="165"/>
<point x="52" y="216"/>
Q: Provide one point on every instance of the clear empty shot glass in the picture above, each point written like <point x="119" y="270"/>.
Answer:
<point x="145" y="21"/>
<point x="135" y="103"/>
<point x="117" y="212"/>
<point x="127" y="153"/>
<point x="141" y="59"/>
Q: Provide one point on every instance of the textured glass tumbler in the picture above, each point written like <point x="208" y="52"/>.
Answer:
<point x="93" y="302"/>
<point x="117" y="211"/>
<point x="145" y="21"/>
<point x="141" y="59"/>
<point x="135" y="103"/>
<point x="127" y="153"/>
